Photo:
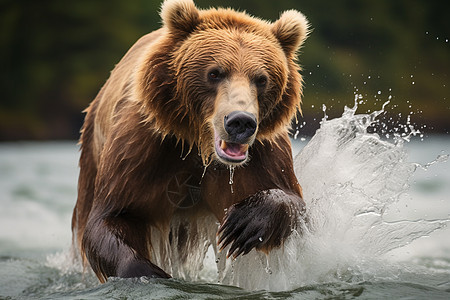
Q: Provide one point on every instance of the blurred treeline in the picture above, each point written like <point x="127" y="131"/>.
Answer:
<point x="56" y="54"/>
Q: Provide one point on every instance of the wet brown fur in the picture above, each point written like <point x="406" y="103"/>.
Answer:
<point x="144" y="127"/>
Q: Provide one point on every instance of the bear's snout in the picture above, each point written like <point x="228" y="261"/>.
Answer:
<point x="233" y="139"/>
<point x="240" y="126"/>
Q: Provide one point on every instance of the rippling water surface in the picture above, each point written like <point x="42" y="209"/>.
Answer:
<point x="378" y="215"/>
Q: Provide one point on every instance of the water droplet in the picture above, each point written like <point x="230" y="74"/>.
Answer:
<point x="231" y="174"/>
<point x="231" y="178"/>
<point x="324" y="109"/>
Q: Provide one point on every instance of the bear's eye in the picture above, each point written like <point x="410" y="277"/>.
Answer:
<point x="215" y="75"/>
<point x="261" y="81"/>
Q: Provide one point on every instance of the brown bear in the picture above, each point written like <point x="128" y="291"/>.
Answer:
<point x="187" y="146"/>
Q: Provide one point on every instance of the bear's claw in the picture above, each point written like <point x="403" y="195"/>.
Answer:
<point x="238" y="233"/>
<point x="262" y="221"/>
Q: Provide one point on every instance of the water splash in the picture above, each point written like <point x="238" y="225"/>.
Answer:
<point x="441" y="158"/>
<point x="350" y="179"/>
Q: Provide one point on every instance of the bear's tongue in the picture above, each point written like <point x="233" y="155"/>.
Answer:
<point x="233" y="149"/>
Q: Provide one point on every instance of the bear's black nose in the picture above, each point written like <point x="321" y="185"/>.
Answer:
<point x="240" y="125"/>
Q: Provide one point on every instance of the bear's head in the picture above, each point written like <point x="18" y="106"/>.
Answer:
<point x="221" y="79"/>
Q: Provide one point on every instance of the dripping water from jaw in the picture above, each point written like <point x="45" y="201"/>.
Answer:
<point x="230" y="182"/>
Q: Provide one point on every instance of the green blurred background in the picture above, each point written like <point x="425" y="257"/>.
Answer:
<point x="55" y="55"/>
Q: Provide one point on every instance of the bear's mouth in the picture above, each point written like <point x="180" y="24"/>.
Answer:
<point x="231" y="152"/>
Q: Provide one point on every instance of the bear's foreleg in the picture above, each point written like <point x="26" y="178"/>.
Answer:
<point x="115" y="246"/>
<point x="262" y="221"/>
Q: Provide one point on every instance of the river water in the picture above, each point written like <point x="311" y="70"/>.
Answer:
<point x="378" y="216"/>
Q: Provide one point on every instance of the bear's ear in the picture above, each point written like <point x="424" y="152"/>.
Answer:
<point x="180" y="16"/>
<point x="291" y="30"/>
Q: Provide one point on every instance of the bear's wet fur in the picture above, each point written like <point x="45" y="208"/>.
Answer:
<point x="155" y="150"/>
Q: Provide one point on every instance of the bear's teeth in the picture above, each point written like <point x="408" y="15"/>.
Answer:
<point x="223" y="145"/>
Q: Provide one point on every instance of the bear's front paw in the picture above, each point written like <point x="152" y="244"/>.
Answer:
<point x="262" y="221"/>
